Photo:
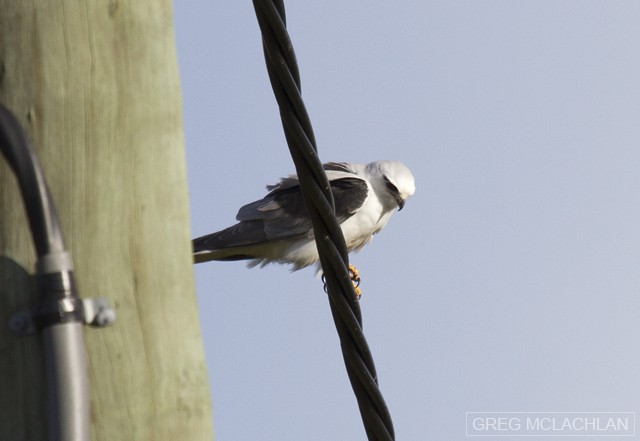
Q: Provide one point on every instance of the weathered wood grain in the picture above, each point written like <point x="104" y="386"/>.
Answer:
<point x="95" y="84"/>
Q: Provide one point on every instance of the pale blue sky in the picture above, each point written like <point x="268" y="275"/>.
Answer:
<point x="511" y="280"/>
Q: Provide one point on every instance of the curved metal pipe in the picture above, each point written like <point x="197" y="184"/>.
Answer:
<point x="59" y="312"/>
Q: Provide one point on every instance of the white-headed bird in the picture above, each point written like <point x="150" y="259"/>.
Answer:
<point x="277" y="228"/>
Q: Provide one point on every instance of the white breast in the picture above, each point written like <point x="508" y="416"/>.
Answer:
<point x="359" y="229"/>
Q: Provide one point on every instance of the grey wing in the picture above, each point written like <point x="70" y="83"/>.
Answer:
<point x="339" y="166"/>
<point x="282" y="215"/>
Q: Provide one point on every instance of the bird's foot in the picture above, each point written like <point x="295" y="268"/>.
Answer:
<point x="354" y="275"/>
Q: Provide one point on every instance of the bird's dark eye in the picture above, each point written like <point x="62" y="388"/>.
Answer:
<point x="392" y="188"/>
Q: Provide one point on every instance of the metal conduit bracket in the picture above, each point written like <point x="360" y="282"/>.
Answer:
<point x="60" y="312"/>
<point x="96" y="312"/>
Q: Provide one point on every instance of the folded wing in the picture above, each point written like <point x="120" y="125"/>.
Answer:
<point x="282" y="216"/>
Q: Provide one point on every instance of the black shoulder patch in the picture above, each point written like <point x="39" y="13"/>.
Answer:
<point x="338" y="166"/>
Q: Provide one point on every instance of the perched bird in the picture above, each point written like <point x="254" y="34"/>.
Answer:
<point x="277" y="228"/>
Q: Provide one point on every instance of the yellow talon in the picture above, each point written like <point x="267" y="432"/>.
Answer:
<point x="354" y="275"/>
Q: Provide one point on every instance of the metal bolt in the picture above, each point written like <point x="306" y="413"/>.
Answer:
<point x="98" y="312"/>
<point x="19" y="323"/>
<point x="105" y="316"/>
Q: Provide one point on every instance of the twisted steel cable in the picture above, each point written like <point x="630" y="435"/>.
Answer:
<point x="283" y="73"/>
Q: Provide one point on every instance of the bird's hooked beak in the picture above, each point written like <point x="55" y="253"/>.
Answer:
<point x="393" y="191"/>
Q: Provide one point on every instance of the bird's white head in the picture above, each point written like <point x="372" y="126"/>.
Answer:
<point x="392" y="181"/>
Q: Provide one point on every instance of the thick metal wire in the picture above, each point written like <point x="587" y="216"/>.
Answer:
<point x="285" y="80"/>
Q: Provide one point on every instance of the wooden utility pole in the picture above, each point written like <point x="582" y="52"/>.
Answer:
<point x="95" y="84"/>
